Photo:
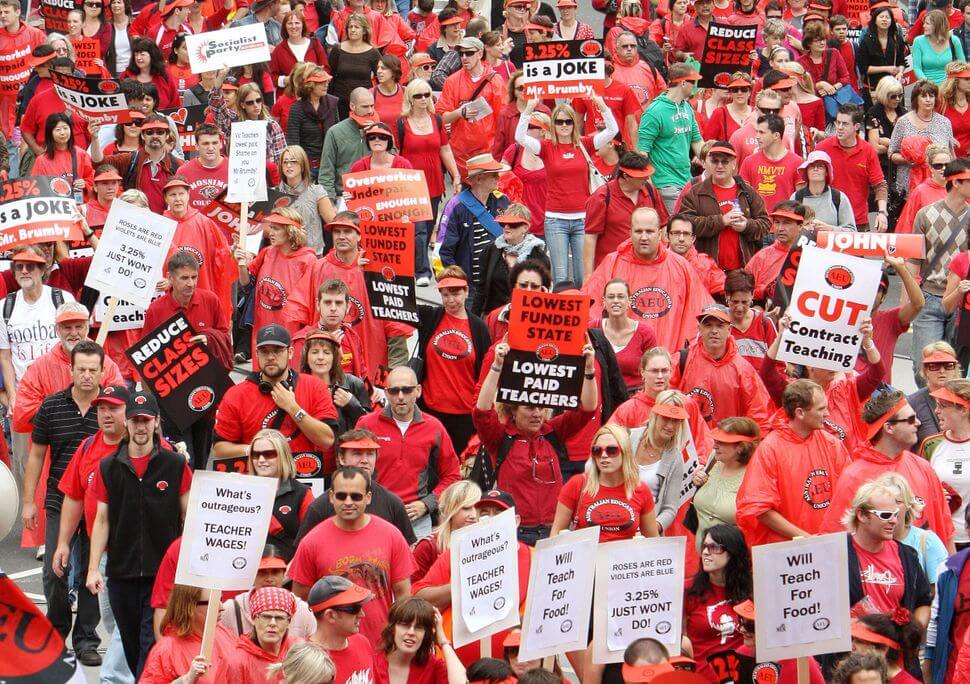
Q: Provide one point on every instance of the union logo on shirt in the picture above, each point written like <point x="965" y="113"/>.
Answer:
<point x="651" y="302"/>
<point x="613" y="515"/>
<point x="271" y="294"/>
<point x="817" y="491"/>
<point x="451" y="344"/>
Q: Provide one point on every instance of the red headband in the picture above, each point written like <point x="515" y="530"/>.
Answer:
<point x="876" y="425"/>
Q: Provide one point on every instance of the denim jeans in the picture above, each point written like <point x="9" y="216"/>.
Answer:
<point x="932" y="324"/>
<point x="114" y="669"/>
<point x="565" y="236"/>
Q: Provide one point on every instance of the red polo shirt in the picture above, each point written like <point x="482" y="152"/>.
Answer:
<point x="859" y="171"/>
<point x="608" y="213"/>
<point x="691" y="38"/>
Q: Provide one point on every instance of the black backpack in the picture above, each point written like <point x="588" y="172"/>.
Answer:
<point x="651" y="53"/>
<point x="56" y="294"/>
<point x="485" y="475"/>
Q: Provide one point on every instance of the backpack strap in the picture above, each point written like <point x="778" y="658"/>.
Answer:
<point x="503" y="452"/>
<point x="57" y="297"/>
<point x="8" y="304"/>
<point x="130" y="173"/>
<point x="557" y="445"/>
<point x="400" y="132"/>
<point x="682" y="361"/>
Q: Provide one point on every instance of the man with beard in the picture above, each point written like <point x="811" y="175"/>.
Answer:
<point x="207" y="174"/>
<point x="297" y="404"/>
<point x="64" y="419"/>
<point x="144" y="482"/>
<point x="148" y="168"/>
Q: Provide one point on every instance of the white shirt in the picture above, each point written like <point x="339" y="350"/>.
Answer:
<point x="30" y="333"/>
<point x="951" y="461"/>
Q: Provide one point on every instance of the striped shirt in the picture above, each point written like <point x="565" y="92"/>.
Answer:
<point x="60" y="426"/>
<point x="946" y="236"/>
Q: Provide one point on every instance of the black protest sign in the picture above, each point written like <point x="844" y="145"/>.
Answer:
<point x="779" y="292"/>
<point x="545" y="363"/>
<point x="186" y="119"/>
<point x="389" y="273"/>
<point x="186" y="378"/>
<point x="726" y="49"/>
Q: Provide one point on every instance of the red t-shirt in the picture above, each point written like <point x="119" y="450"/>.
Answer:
<point x="729" y="241"/>
<point x="617" y="515"/>
<point x="882" y="576"/>
<point x="567" y="176"/>
<point x="450" y="367"/>
<point x="80" y="473"/>
<point x="432" y="672"/>
<point x="712" y="626"/>
<point x="774" y="180"/>
<point x="182" y="76"/>
<point x="886" y="330"/>
<point x="206" y="184"/>
<point x="375" y="557"/>
<point x="753" y="343"/>
<point x="621" y="100"/>
<point x="961" y="129"/>
<point x="356" y="662"/>
<point x="140" y="464"/>
<point x="628" y="358"/>
<point x="961" y="619"/>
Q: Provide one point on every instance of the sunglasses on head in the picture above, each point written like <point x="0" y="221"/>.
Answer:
<point x="353" y="496"/>
<point x="611" y="450"/>
<point x="885" y="516"/>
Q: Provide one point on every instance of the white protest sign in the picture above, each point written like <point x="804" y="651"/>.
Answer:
<point x="225" y="530"/>
<point x="127" y="316"/>
<point x="556" y="616"/>
<point x="130" y="258"/>
<point x="832" y="296"/>
<point x="801" y="597"/>
<point x="247" y="162"/>
<point x="639" y="593"/>
<point x="485" y="572"/>
<point x="231" y="47"/>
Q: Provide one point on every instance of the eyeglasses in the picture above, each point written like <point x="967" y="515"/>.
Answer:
<point x="258" y="100"/>
<point x="938" y="167"/>
<point x="885" y="516"/>
<point x="266" y="454"/>
<point x="422" y="96"/>
<point x="394" y="391"/>
<point x="356" y="497"/>
<point x="564" y="122"/>
<point x="940" y="365"/>
<point x="712" y="548"/>
<point x="349" y="610"/>
<point x="266" y="617"/>
<point x="720" y="161"/>
<point x="679" y="233"/>
<point x="911" y="420"/>
<point x="611" y="450"/>
<point x="25" y="266"/>
<point x="768" y="110"/>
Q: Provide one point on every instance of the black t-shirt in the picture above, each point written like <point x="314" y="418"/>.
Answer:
<point x="384" y="504"/>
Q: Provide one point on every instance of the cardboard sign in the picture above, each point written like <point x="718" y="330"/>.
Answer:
<point x="87" y="51"/>
<point x="557" y="614"/>
<point x="185" y="377"/>
<point x="726" y="49"/>
<point x="485" y="566"/>
<point x="779" y="292"/>
<point x="225" y="530"/>
<point x="545" y="364"/>
<point x="801" y="595"/>
<point x="226" y="214"/>
<point x="388" y="195"/>
<point x="92" y="99"/>
<point x="55" y="14"/>
<point x="876" y="245"/>
<point x="247" y="162"/>
<point x="639" y="593"/>
<point x="564" y="68"/>
<point x="37" y="209"/>
<point x="127" y="316"/>
<point x="186" y="119"/>
<point x="130" y="258"/>
<point x="833" y="294"/>
<point x="390" y="272"/>
<point x="231" y="47"/>
<point x="14" y="71"/>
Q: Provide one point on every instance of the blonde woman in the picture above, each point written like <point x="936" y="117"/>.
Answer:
<point x="949" y="451"/>
<point x="658" y="452"/>
<point x="308" y="198"/>
<point x="248" y="106"/>
<point x="954" y="101"/>
<point x="270" y="456"/>
<point x="423" y="140"/>
<point x="566" y="157"/>
<point x="456" y="509"/>
<point x="277" y="271"/>
<point x="306" y="663"/>
<point x="937" y="364"/>
<point x="724" y="121"/>
<point x="928" y="546"/>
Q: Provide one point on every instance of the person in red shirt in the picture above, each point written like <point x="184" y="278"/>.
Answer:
<point x="773" y="169"/>
<point x="892" y="430"/>
<point x="629" y="68"/>
<point x="787" y="487"/>
<point x="753" y="331"/>
<point x="787" y="220"/>
<point x="107" y="185"/>
<point x="271" y="609"/>
<point x="681" y="240"/>
<point x="889" y="324"/>
<point x="174" y="16"/>
<point x="896" y="638"/>
<point x="745" y="139"/>
<point x="275" y="396"/>
<point x="629" y="337"/>
<point x="17" y="41"/>
<point x="408" y="641"/>
<point x="690" y="40"/>
<point x="333" y="301"/>
<point x="622" y="101"/>
<point x="364" y="548"/>
<point x="859" y="169"/>
<point x="783" y="671"/>
<point x="45" y="102"/>
<point x="207" y="174"/>
<point x="435" y="586"/>
<point x="611" y="206"/>
<point x="62" y="158"/>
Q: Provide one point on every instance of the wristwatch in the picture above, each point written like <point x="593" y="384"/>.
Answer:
<point x="299" y="415"/>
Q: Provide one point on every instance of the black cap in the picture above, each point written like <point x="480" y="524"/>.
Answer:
<point x="332" y="591"/>
<point x="273" y="335"/>
<point x="142" y="404"/>
<point x="113" y="394"/>
<point x="498" y="497"/>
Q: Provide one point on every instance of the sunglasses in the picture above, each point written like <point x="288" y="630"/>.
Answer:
<point x="349" y="610"/>
<point x="766" y="111"/>
<point x="738" y="90"/>
<point x="155" y="131"/>
<point x="885" y="516"/>
<point x="940" y="365"/>
<point x="258" y="100"/>
<point x="564" y="122"/>
<point x="612" y="450"/>
<point x="535" y="128"/>
<point x="28" y="266"/>
<point x="721" y="161"/>
<point x="468" y="53"/>
<point x="939" y="167"/>
<point x="712" y="548"/>
<point x="910" y="420"/>
<point x="356" y="497"/>
<point x="519" y="88"/>
<point x="895" y="96"/>
<point x="265" y="454"/>
<point x="422" y="96"/>
<point x="394" y="391"/>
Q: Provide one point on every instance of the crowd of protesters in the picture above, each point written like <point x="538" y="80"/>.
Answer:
<point x="672" y="207"/>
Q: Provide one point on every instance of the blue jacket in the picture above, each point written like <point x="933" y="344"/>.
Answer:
<point x="458" y="244"/>
<point x="946" y="594"/>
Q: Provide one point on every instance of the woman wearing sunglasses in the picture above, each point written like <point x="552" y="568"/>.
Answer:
<point x="730" y="116"/>
<point x="949" y="452"/>
<point x="270" y="456"/>
<point x="931" y="190"/>
<point x="249" y="106"/>
<point x="724" y="578"/>
<point x="456" y="509"/>
<point x="938" y="364"/>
